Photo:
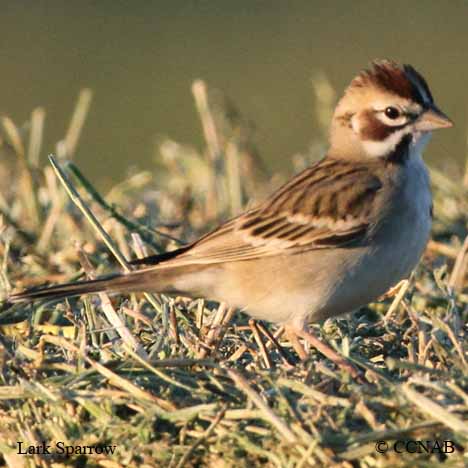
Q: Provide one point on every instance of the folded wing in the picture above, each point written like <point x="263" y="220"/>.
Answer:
<point x="328" y="205"/>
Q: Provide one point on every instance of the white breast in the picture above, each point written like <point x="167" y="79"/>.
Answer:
<point x="418" y="201"/>
<point x="410" y="225"/>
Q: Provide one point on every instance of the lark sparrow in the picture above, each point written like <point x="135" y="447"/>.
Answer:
<point x="334" y="238"/>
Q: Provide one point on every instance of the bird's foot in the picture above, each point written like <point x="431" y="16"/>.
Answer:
<point x="294" y="334"/>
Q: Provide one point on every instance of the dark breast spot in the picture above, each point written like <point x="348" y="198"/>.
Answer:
<point x="401" y="152"/>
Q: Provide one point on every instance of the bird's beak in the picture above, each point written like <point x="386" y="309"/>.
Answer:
<point x="432" y="119"/>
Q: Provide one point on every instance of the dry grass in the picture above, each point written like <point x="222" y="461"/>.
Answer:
<point x="177" y="382"/>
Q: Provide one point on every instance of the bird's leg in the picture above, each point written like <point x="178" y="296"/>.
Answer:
<point x="261" y="345"/>
<point x="292" y="336"/>
<point x="217" y="329"/>
<point x="273" y="341"/>
<point x="394" y="290"/>
<point x="293" y="333"/>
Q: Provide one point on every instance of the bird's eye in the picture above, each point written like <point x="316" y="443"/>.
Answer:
<point x="392" y="113"/>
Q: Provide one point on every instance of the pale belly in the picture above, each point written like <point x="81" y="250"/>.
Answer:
<point x="321" y="284"/>
<point x="371" y="274"/>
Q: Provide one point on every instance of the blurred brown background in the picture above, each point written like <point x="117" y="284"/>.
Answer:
<point x="141" y="57"/>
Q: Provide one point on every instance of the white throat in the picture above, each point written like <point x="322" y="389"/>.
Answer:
<point x="379" y="149"/>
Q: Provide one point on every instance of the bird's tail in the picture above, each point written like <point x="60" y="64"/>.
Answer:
<point x="134" y="281"/>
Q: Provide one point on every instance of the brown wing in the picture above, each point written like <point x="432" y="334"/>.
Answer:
<point x="327" y="205"/>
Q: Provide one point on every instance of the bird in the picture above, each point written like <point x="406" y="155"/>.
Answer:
<point x="334" y="238"/>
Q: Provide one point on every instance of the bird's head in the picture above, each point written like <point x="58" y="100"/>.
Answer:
<point x="383" y="108"/>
